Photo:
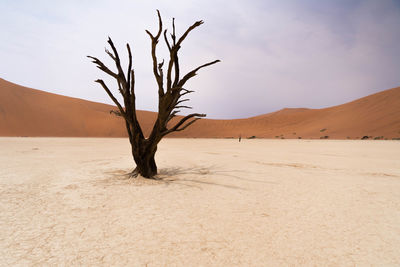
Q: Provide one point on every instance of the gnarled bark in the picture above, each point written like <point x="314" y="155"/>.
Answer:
<point x="169" y="96"/>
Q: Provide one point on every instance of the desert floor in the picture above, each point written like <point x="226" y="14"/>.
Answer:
<point x="219" y="202"/>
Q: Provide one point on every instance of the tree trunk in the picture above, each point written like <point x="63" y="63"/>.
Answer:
<point x="144" y="158"/>
<point x="146" y="166"/>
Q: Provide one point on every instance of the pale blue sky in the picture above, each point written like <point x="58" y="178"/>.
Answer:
<point x="274" y="54"/>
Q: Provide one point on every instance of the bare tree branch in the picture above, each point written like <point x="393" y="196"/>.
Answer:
<point x="193" y="72"/>
<point x="103" y="67"/>
<point x="195" y="25"/>
<point x="166" y="41"/>
<point x="133" y="97"/>
<point x="121" y="110"/>
<point x="129" y="66"/>
<point x="185" y="92"/>
<point x="121" y="74"/>
<point x="154" y="42"/>
<point x="116" y="113"/>
<point x="181" y="101"/>
<point x="159" y="27"/>
<point x="161" y="83"/>
<point x="187" y="125"/>
<point x="178" y="107"/>
<point x="159" y="24"/>
<point x="110" y="54"/>
<point x="173" y="114"/>
<point x="174" y="61"/>
<point x="173" y="35"/>
<point x="182" y="121"/>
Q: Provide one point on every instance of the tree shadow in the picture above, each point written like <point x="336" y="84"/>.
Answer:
<point x="227" y="174"/>
<point x="190" y="177"/>
<point x="174" y="174"/>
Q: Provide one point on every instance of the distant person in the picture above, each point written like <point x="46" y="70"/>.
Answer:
<point x="240" y="137"/>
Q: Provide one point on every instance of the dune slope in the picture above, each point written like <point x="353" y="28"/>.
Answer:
<point x="30" y="112"/>
<point x="375" y="115"/>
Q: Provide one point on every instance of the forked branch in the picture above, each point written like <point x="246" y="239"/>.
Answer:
<point x="103" y="67"/>
<point x="156" y="67"/>
<point x="121" y="110"/>
<point x="174" y="60"/>
<point x="121" y="75"/>
<point x="180" y="125"/>
<point x="195" y="25"/>
<point x="193" y="73"/>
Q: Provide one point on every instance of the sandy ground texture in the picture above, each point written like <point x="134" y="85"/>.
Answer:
<point x="66" y="201"/>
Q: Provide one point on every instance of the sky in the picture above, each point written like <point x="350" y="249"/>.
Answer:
<point x="274" y="54"/>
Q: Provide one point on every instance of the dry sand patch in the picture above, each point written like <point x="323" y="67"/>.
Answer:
<point x="218" y="202"/>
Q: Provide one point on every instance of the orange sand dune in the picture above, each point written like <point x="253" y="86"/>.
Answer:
<point x="29" y="112"/>
<point x="375" y="115"/>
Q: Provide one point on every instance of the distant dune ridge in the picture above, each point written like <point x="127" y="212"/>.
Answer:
<point x="29" y="112"/>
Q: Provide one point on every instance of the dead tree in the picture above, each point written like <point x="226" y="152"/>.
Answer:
<point x="170" y="96"/>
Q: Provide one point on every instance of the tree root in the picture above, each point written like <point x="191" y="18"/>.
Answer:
<point x="133" y="174"/>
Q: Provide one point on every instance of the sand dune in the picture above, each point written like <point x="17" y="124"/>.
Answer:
<point x="374" y="115"/>
<point x="30" y="112"/>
